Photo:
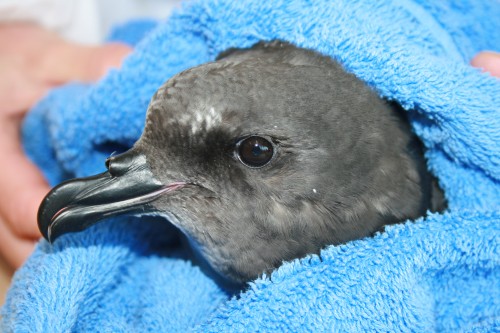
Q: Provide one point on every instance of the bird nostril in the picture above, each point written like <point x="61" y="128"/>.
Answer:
<point x="121" y="164"/>
<point x="115" y="166"/>
<point x="111" y="149"/>
<point x="109" y="160"/>
<point x="110" y="166"/>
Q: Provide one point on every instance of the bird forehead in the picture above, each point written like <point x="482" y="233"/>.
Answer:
<point x="235" y="95"/>
<point x="202" y="118"/>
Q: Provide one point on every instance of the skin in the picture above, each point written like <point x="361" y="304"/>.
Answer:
<point x="488" y="61"/>
<point x="32" y="61"/>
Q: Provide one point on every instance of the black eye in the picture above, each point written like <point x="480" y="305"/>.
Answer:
<point x="255" y="151"/>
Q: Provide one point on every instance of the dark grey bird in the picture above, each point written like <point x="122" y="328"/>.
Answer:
<point x="265" y="155"/>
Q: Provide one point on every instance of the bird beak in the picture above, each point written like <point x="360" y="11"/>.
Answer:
<point x="126" y="188"/>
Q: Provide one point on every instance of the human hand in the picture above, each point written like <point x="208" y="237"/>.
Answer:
<point x="32" y="61"/>
<point x="488" y="61"/>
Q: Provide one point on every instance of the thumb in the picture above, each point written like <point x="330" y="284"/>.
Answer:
<point x="488" y="61"/>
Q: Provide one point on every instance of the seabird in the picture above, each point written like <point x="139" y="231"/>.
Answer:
<point x="265" y="155"/>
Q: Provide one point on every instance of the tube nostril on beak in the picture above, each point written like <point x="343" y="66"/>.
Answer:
<point x="108" y="161"/>
<point x="113" y="167"/>
<point x="118" y="165"/>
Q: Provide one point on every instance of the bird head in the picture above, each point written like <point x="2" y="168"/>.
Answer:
<point x="265" y="155"/>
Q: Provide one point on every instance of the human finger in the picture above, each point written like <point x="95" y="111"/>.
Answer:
<point x="14" y="250"/>
<point x="488" y="61"/>
<point x="22" y="186"/>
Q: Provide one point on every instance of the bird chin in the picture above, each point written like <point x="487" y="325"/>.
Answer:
<point x="170" y="217"/>
<point x="196" y="253"/>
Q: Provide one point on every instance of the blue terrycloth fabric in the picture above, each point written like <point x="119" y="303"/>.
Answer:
<point x="440" y="273"/>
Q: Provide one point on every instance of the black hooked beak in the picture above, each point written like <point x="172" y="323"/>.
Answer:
<point x="128" y="187"/>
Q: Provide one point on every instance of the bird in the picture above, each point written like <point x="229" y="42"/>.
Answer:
<point x="262" y="156"/>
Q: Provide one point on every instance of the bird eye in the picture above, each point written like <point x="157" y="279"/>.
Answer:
<point x="255" y="151"/>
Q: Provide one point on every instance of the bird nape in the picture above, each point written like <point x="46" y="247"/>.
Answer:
<point x="265" y="155"/>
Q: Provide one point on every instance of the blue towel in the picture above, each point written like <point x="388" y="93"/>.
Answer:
<point x="438" y="273"/>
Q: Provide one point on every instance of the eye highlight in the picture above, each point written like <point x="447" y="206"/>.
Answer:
<point x="255" y="151"/>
